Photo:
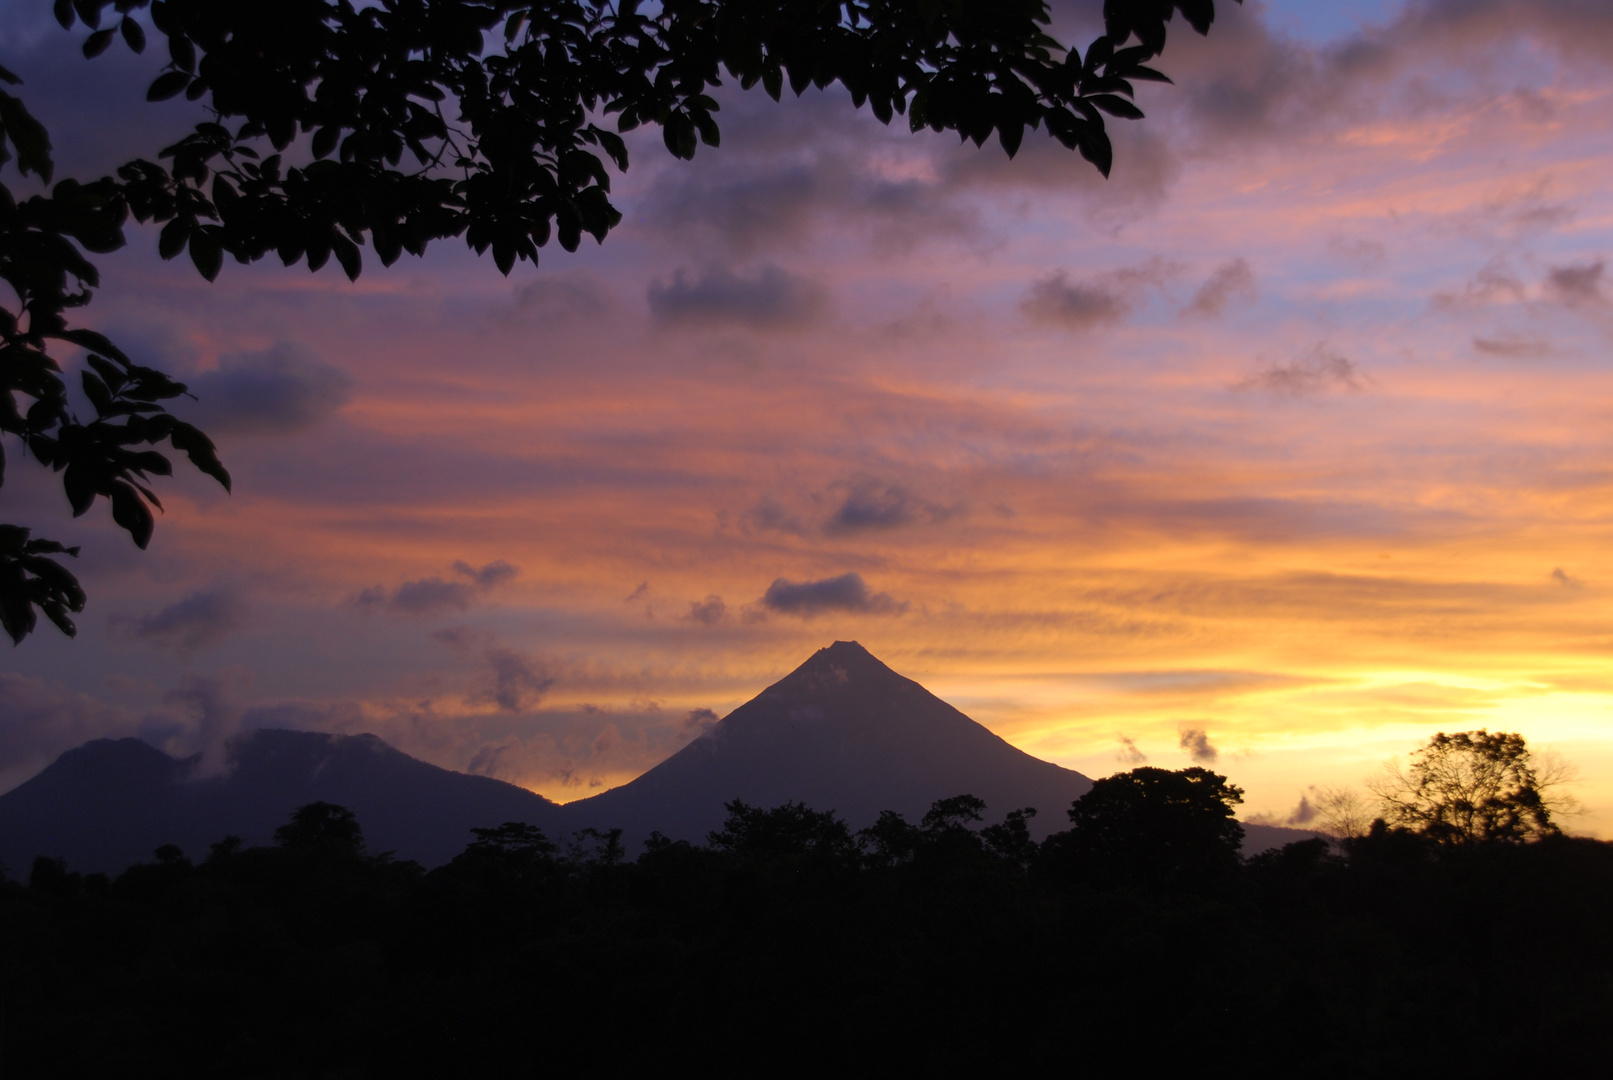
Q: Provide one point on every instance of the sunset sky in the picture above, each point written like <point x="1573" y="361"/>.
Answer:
<point x="1290" y="443"/>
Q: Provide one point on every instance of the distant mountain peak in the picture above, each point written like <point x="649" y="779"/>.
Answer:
<point x="108" y="803"/>
<point x="125" y="756"/>
<point x="838" y="667"/>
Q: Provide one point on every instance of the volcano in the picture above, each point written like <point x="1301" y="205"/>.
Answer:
<point x="842" y="732"/>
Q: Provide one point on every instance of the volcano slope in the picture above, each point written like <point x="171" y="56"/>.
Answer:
<point x="842" y="732"/>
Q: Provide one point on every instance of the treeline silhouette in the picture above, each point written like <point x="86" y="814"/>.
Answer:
<point x="789" y="945"/>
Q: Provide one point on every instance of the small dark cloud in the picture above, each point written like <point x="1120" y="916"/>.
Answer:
<point x="1321" y="372"/>
<point x="1094" y="301"/>
<point x="1129" y="753"/>
<point x="872" y="506"/>
<point x="1565" y="579"/>
<point x="1078" y="305"/>
<point x="429" y="596"/>
<point x="848" y="592"/>
<point x="280" y="390"/>
<point x="769" y="299"/>
<point x="1511" y="346"/>
<point x="1231" y="281"/>
<point x="771" y="515"/>
<point x="854" y="505"/>
<point x="1577" y="284"/>
<point x="201" y="619"/>
<point x="1195" y="742"/>
<point x="435" y="595"/>
<point x="708" y="612"/>
<point x="639" y="593"/>
<point x="515" y="682"/>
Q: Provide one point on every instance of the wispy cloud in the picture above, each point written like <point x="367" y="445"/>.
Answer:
<point x="201" y="619"/>
<point x="515" y="682"/>
<point x="437" y="595"/>
<point x="1074" y="305"/>
<point x="1512" y="346"/>
<point x="1195" y="743"/>
<point x="1321" y="372"/>
<point x="1129" y="754"/>
<point x="1230" y="282"/>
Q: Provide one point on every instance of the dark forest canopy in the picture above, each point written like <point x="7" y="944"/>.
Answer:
<point x="788" y="944"/>
<point x="411" y="121"/>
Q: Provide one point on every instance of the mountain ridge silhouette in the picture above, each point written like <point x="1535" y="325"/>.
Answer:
<point x="108" y="803"/>
<point x="842" y="732"/>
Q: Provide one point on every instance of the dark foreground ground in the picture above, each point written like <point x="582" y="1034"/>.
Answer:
<point x="789" y="947"/>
